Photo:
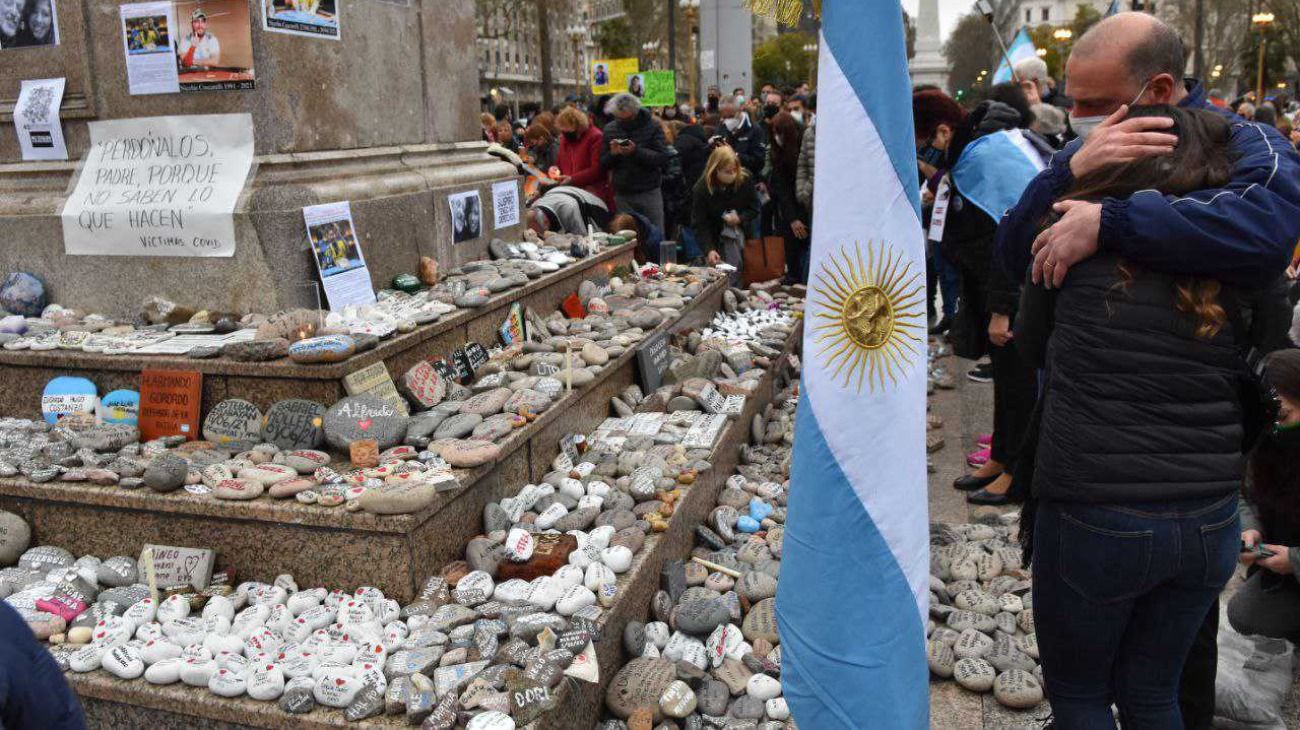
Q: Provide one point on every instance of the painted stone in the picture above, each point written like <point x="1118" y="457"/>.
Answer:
<point x="67" y="395"/>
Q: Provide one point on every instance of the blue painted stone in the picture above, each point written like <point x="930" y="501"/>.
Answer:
<point x="22" y="293"/>
<point x="330" y="348"/>
<point x="759" y="510"/>
<point x="120" y="406"/>
<point x="748" y="524"/>
<point x="65" y="394"/>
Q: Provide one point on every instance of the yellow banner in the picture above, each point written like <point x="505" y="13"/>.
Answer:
<point x="610" y="75"/>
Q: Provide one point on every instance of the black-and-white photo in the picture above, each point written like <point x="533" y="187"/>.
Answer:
<point x="466" y="216"/>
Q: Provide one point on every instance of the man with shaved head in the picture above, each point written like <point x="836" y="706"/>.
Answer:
<point x="1241" y="234"/>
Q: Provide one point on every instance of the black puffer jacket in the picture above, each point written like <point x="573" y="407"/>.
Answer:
<point x="1135" y="407"/>
<point x="642" y="170"/>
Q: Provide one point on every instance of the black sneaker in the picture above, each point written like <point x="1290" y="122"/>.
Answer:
<point x="941" y="326"/>
<point x="982" y="373"/>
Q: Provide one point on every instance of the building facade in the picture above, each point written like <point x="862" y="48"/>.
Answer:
<point x="509" y="51"/>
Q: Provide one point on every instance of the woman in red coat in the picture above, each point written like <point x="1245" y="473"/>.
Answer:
<point x="579" y="159"/>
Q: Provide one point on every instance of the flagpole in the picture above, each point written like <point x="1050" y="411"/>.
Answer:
<point x="987" y="11"/>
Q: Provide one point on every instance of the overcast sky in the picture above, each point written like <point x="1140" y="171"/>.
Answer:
<point x="949" y="12"/>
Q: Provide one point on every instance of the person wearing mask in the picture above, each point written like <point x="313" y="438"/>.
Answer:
<point x="773" y="104"/>
<point x="1049" y="120"/>
<point x="714" y="98"/>
<point x="542" y="149"/>
<point x="692" y="144"/>
<point x="982" y="183"/>
<point x="33" y="693"/>
<point x="1268" y="604"/>
<point x="1239" y="233"/>
<point x="798" y="108"/>
<point x="579" y="157"/>
<point x="635" y="153"/>
<point x="1138" y="457"/>
<point x="742" y="135"/>
<point x="793" y="221"/>
<point x="725" y="206"/>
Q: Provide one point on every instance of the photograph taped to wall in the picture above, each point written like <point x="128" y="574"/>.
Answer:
<point x="314" y="18"/>
<point x="216" y="52"/>
<point x="466" y="216"/>
<point x="28" y="23"/>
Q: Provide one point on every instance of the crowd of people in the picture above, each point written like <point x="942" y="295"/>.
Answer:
<point x="1125" y="260"/>
<point x="708" y="178"/>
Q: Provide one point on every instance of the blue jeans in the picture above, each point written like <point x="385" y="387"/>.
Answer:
<point x="1119" y="594"/>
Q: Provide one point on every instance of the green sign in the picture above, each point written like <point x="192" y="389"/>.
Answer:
<point x="660" y="88"/>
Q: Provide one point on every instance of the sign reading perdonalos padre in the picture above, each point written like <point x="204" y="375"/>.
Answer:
<point x="160" y="186"/>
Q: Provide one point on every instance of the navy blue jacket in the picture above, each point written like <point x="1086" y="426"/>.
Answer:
<point x="1241" y="234"/>
<point x="33" y="693"/>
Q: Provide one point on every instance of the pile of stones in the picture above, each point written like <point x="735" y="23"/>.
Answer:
<point x="286" y="451"/>
<point x="306" y="336"/>
<point x="981" y="632"/>
<point x="454" y="657"/>
<point x="486" y="643"/>
<point x="711" y="656"/>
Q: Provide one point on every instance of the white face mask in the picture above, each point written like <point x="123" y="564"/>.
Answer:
<point x="1084" y="126"/>
<point x="798" y="116"/>
<point x="732" y="123"/>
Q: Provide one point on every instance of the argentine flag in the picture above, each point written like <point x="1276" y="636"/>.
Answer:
<point x="854" y="592"/>
<point x="1021" y="48"/>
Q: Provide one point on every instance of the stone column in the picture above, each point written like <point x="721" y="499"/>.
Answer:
<point x="386" y="117"/>
<point x="929" y="66"/>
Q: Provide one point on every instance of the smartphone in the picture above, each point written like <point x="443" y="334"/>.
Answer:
<point x="1259" y="551"/>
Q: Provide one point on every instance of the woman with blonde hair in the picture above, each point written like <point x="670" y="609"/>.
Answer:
<point x="725" y="204"/>
<point x="579" y="158"/>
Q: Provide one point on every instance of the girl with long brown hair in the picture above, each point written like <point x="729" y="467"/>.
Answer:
<point x="1139" y="452"/>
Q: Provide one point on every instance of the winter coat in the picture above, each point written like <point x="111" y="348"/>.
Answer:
<point x="750" y="143"/>
<point x="1241" y="234"/>
<point x="33" y="692"/>
<point x="1134" y="406"/>
<point x="642" y="170"/>
<point x="580" y="160"/>
<point x="693" y="145"/>
<point x="807" y="167"/>
<point x="707" y="209"/>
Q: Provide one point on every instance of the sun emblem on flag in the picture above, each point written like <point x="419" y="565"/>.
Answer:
<point x="869" y="316"/>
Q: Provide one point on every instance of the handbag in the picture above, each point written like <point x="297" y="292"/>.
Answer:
<point x="764" y="259"/>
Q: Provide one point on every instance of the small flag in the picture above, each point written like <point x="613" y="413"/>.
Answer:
<point x="995" y="169"/>
<point x="853" y="601"/>
<point x="1021" y="48"/>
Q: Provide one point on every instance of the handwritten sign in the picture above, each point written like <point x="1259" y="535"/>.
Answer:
<point x="505" y="204"/>
<point x="375" y="380"/>
<point x="160" y="186"/>
<point x="170" y="403"/>
<point x="180" y="565"/>
<point x="652" y="361"/>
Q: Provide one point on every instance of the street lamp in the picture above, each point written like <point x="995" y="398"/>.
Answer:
<point x="1261" y="21"/>
<point x="651" y="50"/>
<point x="692" y="10"/>
<point x="578" y="35"/>
<point x="811" y="49"/>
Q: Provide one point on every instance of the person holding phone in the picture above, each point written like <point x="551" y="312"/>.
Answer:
<point x="1268" y="604"/>
<point x="635" y="153"/>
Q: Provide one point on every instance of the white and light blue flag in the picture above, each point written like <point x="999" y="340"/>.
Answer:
<point x="1021" y="48"/>
<point x="854" y="593"/>
<point x="995" y="169"/>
